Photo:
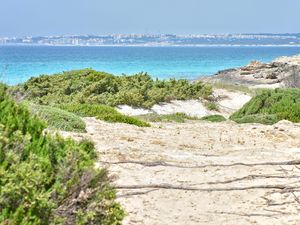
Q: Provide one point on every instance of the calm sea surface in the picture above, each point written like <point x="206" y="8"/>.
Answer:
<point x="18" y="63"/>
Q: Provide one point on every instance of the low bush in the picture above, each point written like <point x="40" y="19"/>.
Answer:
<point x="58" y="119"/>
<point x="175" y="117"/>
<point x="47" y="179"/>
<point x="102" y="112"/>
<point x="270" y="106"/>
<point x="258" y="118"/>
<point x="214" y="118"/>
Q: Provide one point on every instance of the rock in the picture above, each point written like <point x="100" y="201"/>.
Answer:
<point x="258" y="75"/>
<point x="271" y="75"/>
<point x="263" y="74"/>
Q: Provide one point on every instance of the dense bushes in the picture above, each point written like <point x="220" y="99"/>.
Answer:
<point x="102" y="112"/>
<point x="89" y="86"/>
<point x="46" y="179"/>
<point x="270" y="106"/>
<point x="57" y="118"/>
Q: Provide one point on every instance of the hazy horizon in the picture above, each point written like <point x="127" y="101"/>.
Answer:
<point x="107" y="34"/>
<point x="52" y="18"/>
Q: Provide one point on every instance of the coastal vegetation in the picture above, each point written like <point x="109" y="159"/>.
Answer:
<point x="175" y="117"/>
<point x="91" y="93"/>
<point x="45" y="179"/>
<point x="91" y="87"/>
<point x="270" y="106"/>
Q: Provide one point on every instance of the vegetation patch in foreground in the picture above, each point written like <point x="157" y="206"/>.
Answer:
<point x="102" y="112"/>
<point x="271" y="106"/>
<point x="58" y="119"/>
<point x="175" y="117"/>
<point x="47" y="179"/>
<point x="214" y="118"/>
<point x="92" y="87"/>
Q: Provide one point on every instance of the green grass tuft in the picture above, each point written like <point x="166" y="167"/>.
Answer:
<point x="258" y="118"/>
<point x="175" y="117"/>
<point x="211" y="106"/>
<point x="214" y="118"/>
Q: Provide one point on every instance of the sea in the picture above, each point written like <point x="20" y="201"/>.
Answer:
<point x="19" y="63"/>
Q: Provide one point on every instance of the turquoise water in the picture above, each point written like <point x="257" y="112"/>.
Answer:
<point x="18" y="63"/>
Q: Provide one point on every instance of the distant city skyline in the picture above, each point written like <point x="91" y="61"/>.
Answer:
<point x="159" y="40"/>
<point x="80" y="17"/>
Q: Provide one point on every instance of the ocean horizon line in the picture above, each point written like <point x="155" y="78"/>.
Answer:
<point x="117" y="45"/>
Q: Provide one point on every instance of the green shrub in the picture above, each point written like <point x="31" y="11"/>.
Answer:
<point x="270" y="106"/>
<point x="58" y="119"/>
<point x="214" y="118"/>
<point x="92" y="87"/>
<point x="258" y="118"/>
<point x="175" y="117"/>
<point x="46" y="179"/>
<point x="102" y="112"/>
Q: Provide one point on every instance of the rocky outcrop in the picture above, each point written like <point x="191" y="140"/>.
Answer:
<point x="284" y="71"/>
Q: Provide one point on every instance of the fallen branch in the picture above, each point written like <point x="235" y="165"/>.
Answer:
<point x="186" y="188"/>
<point x="247" y="214"/>
<point x="135" y="193"/>
<point x="161" y="163"/>
<point x="250" y="177"/>
<point x="295" y="197"/>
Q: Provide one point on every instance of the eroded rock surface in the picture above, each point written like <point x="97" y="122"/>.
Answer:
<point x="202" y="173"/>
<point x="282" y="72"/>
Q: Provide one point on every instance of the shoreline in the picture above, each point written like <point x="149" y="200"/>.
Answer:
<point x="154" y="46"/>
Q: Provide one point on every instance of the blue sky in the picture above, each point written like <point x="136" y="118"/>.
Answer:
<point x="56" y="17"/>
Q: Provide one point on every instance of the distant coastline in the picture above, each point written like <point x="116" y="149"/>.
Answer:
<point x="147" y="45"/>
<point x="165" y="40"/>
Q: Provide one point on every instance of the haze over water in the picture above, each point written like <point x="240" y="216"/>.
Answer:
<point x="19" y="63"/>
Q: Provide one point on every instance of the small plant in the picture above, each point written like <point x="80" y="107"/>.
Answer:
<point x="214" y="118"/>
<point x="175" y="117"/>
<point x="211" y="106"/>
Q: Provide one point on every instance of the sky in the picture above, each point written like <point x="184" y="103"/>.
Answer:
<point x="20" y="18"/>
